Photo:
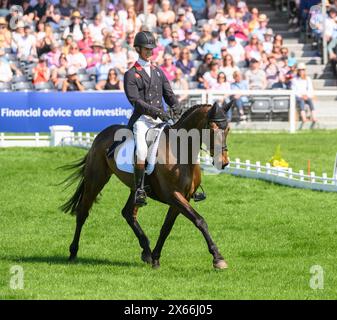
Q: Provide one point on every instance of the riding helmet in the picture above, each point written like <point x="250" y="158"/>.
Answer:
<point x="145" y="39"/>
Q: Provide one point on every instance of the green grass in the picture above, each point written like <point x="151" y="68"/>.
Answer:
<point x="270" y="235"/>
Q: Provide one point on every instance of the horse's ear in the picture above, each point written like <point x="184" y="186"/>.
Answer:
<point x="213" y="113"/>
<point x="228" y="105"/>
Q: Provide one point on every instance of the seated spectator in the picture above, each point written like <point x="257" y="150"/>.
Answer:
<point x="179" y="83"/>
<point x="213" y="6"/>
<point x="190" y="15"/>
<point x="267" y="44"/>
<point x="277" y="52"/>
<point x="65" y="8"/>
<point x="228" y="67"/>
<point x="272" y="71"/>
<point x="166" y="37"/>
<point x="67" y="44"/>
<point x="222" y="83"/>
<point x="205" y="36"/>
<point x="95" y="56"/>
<point x="189" y="42"/>
<point x="111" y="82"/>
<point x="222" y="30"/>
<point x="76" y="27"/>
<point x="203" y="68"/>
<point x="53" y="56"/>
<point x="174" y="50"/>
<point x="118" y="28"/>
<point x="7" y="68"/>
<point x="45" y="40"/>
<point x="211" y="76"/>
<point x="185" y="64"/>
<point x="242" y="7"/>
<point x="151" y="21"/>
<point x="253" y="49"/>
<point x="40" y="9"/>
<point x="96" y="29"/>
<point x="230" y="16"/>
<point x="168" y="67"/>
<point x="85" y="8"/>
<point x="331" y="24"/>
<point x="198" y="8"/>
<point x="41" y="73"/>
<point x="236" y="50"/>
<point x="52" y="17"/>
<point x="256" y="77"/>
<point x="262" y="29"/>
<point x="213" y="46"/>
<point x="103" y="68"/>
<point x="5" y="34"/>
<point x="85" y="44"/>
<point x="119" y="57"/>
<point x="284" y="53"/>
<point x="303" y="88"/>
<point x="59" y="72"/>
<point x="240" y="27"/>
<point x="278" y="40"/>
<point x="76" y="58"/>
<point x="25" y="44"/>
<point x="72" y="83"/>
<point x="165" y="15"/>
<point x="239" y="100"/>
<point x="253" y="23"/>
<point x="133" y="23"/>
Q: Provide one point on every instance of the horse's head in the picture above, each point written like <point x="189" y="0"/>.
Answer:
<point x="219" y="128"/>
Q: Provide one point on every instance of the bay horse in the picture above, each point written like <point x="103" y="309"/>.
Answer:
<point x="171" y="184"/>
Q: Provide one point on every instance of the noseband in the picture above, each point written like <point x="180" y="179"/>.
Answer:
<point x="222" y="124"/>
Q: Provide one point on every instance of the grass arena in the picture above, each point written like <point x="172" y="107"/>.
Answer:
<point x="273" y="237"/>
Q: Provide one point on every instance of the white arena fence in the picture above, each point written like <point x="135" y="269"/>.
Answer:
<point x="283" y="176"/>
<point x="278" y="175"/>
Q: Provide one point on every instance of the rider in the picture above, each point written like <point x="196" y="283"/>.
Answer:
<point x="145" y="85"/>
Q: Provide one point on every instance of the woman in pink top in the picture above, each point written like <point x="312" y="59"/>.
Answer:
<point x="96" y="55"/>
<point x="168" y="67"/>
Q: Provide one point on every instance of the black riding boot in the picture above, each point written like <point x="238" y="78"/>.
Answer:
<point x="140" y="195"/>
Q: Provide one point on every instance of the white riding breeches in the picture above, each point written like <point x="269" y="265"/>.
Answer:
<point x="140" y="128"/>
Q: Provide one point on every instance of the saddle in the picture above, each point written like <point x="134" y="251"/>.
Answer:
<point x="123" y="151"/>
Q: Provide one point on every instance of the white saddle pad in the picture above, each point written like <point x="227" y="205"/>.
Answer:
<point x="125" y="152"/>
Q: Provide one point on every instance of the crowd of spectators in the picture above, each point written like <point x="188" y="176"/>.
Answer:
<point x="83" y="44"/>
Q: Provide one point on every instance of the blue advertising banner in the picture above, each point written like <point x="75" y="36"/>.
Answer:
<point x="85" y="111"/>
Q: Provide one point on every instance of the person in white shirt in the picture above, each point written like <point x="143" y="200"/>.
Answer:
<point x="96" y="29"/>
<point x="76" y="58"/>
<point x="302" y="85"/>
<point x="236" y="50"/>
<point x="119" y="57"/>
<point x="331" y="24"/>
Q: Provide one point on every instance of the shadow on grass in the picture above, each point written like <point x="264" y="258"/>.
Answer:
<point x="62" y="260"/>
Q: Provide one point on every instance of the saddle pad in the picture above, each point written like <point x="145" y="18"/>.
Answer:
<point x="125" y="152"/>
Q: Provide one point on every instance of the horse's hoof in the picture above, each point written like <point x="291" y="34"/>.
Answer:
<point x="146" y="257"/>
<point x="155" y="264"/>
<point x="72" y="258"/>
<point x="220" y="264"/>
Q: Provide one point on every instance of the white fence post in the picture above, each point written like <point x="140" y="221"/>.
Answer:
<point x="247" y="164"/>
<point x="237" y="163"/>
<point x="301" y="172"/>
<point x="58" y="133"/>
<point x="2" y="139"/>
<point x="290" y="173"/>
<point x="325" y="176"/>
<point x="312" y="177"/>
<point x="258" y="166"/>
<point x="292" y="113"/>
<point x="268" y="168"/>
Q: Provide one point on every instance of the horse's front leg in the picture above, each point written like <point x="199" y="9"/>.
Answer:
<point x="129" y="212"/>
<point x="186" y="209"/>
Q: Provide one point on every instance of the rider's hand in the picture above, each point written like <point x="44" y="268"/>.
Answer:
<point x="163" y="116"/>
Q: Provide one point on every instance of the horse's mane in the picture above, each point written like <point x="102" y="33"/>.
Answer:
<point x="189" y="111"/>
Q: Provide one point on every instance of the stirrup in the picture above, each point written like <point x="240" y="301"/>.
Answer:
<point x="140" y="198"/>
<point x="199" y="196"/>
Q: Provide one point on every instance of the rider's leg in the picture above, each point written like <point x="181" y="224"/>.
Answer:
<point x="139" y="129"/>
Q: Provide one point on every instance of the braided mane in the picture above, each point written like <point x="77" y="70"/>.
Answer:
<point x="189" y="111"/>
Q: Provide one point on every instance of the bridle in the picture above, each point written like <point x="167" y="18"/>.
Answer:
<point x="222" y="125"/>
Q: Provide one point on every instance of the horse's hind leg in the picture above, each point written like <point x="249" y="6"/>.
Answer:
<point x="129" y="212"/>
<point x="164" y="232"/>
<point x="93" y="183"/>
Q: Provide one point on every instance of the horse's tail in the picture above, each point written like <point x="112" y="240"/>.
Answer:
<point x="72" y="204"/>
